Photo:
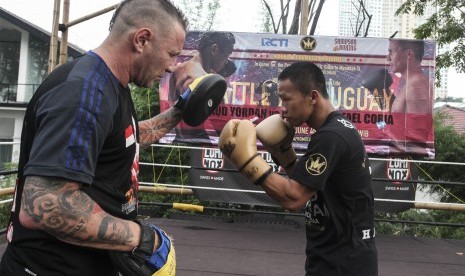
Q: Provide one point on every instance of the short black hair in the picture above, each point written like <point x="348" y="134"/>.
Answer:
<point x="306" y="76"/>
<point x="223" y="39"/>
<point x="418" y="46"/>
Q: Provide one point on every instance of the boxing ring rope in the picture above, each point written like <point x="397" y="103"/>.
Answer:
<point x="300" y="154"/>
<point x="180" y="189"/>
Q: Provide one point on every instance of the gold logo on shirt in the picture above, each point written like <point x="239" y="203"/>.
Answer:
<point x="316" y="164"/>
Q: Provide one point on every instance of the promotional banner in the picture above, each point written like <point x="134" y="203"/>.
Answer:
<point x="394" y="170"/>
<point x="221" y="182"/>
<point x="209" y="168"/>
<point x="385" y="86"/>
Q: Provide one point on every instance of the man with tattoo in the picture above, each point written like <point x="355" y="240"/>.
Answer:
<point x="76" y="196"/>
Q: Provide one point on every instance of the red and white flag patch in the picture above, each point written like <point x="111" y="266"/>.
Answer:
<point x="129" y="134"/>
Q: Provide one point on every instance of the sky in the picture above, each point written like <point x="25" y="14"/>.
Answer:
<point x="233" y="15"/>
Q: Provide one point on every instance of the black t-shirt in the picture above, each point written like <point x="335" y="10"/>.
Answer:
<point x="80" y="126"/>
<point x="339" y="218"/>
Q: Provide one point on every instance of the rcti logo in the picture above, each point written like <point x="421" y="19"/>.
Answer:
<point x="398" y="169"/>
<point x="212" y="159"/>
<point x="275" y="42"/>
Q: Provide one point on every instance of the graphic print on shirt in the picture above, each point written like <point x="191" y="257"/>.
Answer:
<point x="346" y="123"/>
<point x="316" y="164"/>
<point x="131" y="199"/>
<point x="316" y="213"/>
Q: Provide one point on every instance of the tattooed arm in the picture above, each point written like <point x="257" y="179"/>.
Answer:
<point x="63" y="210"/>
<point x="153" y="129"/>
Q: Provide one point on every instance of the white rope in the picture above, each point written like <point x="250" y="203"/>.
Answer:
<point x="200" y="187"/>
<point x="158" y="185"/>
<point x="6" y="201"/>
<point x="300" y="154"/>
<point x="413" y="201"/>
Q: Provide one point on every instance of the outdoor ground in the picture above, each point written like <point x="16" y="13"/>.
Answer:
<point x="271" y="246"/>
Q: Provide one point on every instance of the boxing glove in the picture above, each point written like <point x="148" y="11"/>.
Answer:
<point x="238" y="143"/>
<point x="378" y="82"/>
<point x="276" y="136"/>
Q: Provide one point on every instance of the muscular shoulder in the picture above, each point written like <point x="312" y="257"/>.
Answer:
<point x="418" y="85"/>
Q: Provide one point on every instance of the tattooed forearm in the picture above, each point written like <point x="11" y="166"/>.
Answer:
<point x="57" y="206"/>
<point x="114" y="231"/>
<point x="155" y="128"/>
<point x="62" y="209"/>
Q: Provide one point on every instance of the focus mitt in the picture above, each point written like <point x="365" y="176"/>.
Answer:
<point x="201" y="98"/>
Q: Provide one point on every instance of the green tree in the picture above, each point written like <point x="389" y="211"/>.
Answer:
<point x="147" y="105"/>
<point x="450" y="147"/>
<point x="450" y="99"/>
<point x="201" y="14"/>
<point x="446" y="26"/>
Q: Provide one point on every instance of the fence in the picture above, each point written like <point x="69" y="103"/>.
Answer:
<point x="182" y="189"/>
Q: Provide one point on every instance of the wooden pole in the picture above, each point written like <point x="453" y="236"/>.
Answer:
<point x="64" y="33"/>
<point x="66" y="24"/>
<point x="165" y="190"/>
<point x="52" y="59"/>
<point x="90" y="16"/>
<point x="304" y="17"/>
<point x="440" y="206"/>
<point x="7" y="191"/>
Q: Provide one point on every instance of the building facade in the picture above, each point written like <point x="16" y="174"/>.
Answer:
<point x="24" y="57"/>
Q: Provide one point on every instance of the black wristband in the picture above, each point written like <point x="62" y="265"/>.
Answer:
<point x="179" y="104"/>
<point x="147" y="240"/>
<point x="262" y="178"/>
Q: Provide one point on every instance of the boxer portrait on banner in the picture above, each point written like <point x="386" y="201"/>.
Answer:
<point x="402" y="87"/>
<point x="413" y="89"/>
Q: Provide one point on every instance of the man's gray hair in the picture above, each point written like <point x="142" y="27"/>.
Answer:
<point x="139" y="13"/>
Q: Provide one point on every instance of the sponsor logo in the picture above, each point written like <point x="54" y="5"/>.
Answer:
<point x="398" y="169"/>
<point x="316" y="164"/>
<point x="345" y="44"/>
<point x="308" y="43"/>
<point x="275" y="42"/>
<point x="212" y="159"/>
